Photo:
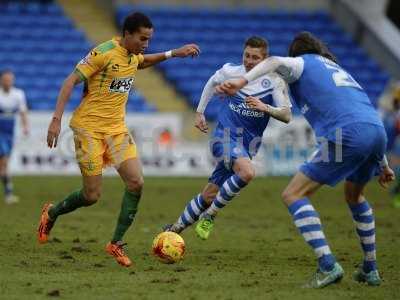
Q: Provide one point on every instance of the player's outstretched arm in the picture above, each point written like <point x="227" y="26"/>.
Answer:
<point x="187" y="50"/>
<point x="290" y="68"/>
<point x="206" y="95"/>
<point x="232" y="86"/>
<point x="282" y="114"/>
<point x="63" y="97"/>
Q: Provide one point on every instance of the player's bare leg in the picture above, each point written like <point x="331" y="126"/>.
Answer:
<point x="306" y="219"/>
<point x="9" y="196"/>
<point x="131" y="173"/>
<point x="88" y="195"/>
<point x="365" y="227"/>
<point x="300" y="186"/>
<point x="244" y="173"/>
<point x="195" y="207"/>
<point x="209" y="192"/>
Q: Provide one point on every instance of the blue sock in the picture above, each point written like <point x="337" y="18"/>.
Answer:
<point x="230" y="188"/>
<point x="365" y="224"/>
<point x="192" y="211"/>
<point x="307" y="221"/>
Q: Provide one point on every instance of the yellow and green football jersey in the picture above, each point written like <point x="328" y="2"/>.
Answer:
<point x="108" y="72"/>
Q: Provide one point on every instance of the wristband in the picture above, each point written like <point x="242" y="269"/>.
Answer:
<point x="168" y="54"/>
<point x="384" y="162"/>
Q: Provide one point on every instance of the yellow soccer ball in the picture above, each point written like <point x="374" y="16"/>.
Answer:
<point x="169" y="247"/>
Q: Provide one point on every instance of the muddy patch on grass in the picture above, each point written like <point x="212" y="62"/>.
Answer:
<point x="80" y="249"/>
<point x="54" y="293"/>
<point x="169" y="280"/>
<point x="65" y="255"/>
<point x="181" y="269"/>
<point x="55" y="240"/>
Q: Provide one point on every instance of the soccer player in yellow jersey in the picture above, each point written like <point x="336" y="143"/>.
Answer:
<point x="100" y="134"/>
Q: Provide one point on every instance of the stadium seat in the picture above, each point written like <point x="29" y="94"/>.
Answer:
<point x="33" y="45"/>
<point x="221" y="34"/>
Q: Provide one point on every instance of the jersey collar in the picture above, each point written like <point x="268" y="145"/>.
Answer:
<point x="121" y="49"/>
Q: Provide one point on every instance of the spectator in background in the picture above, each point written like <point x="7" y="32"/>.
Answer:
<point x="391" y="119"/>
<point x="12" y="101"/>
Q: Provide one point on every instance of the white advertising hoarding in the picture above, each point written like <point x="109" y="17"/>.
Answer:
<point x="284" y="148"/>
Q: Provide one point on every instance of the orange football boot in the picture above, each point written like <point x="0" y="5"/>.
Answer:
<point x="116" y="250"/>
<point x="45" y="224"/>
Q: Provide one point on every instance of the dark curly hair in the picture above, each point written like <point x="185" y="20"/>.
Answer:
<point x="134" y="21"/>
<point x="306" y="43"/>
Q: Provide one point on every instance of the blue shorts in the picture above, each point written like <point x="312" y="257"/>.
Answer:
<point x="6" y="144"/>
<point x="356" y="159"/>
<point x="225" y="154"/>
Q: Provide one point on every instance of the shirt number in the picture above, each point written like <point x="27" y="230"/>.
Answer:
<point x="342" y="78"/>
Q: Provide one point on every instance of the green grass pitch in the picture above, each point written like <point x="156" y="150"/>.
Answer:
<point x="254" y="252"/>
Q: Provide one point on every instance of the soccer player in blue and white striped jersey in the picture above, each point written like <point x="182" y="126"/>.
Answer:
<point x="237" y="136"/>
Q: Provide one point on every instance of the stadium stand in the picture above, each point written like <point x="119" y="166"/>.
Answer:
<point x="41" y="45"/>
<point x="221" y="34"/>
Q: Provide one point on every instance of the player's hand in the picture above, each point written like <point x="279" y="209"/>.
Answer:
<point x="231" y="87"/>
<point x="187" y="50"/>
<point x="255" y="103"/>
<point x="386" y="176"/>
<point x="53" y="132"/>
<point x="201" y="123"/>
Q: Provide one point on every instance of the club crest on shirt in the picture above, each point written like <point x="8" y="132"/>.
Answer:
<point x="85" y="60"/>
<point x="236" y="150"/>
<point x="265" y="83"/>
<point x="304" y="109"/>
<point x="121" y="85"/>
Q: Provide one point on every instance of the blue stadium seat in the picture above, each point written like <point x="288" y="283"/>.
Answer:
<point x="41" y="45"/>
<point x="221" y="34"/>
